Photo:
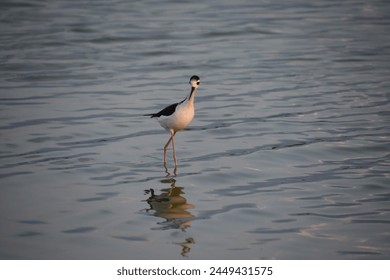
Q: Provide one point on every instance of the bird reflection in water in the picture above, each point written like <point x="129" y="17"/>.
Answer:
<point x="172" y="206"/>
<point x="167" y="171"/>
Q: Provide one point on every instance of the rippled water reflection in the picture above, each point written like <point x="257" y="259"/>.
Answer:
<point x="287" y="158"/>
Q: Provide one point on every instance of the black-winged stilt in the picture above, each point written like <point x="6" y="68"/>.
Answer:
<point x="177" y="116"/>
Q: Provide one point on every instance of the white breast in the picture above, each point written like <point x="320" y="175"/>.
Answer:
<point x="179" y="120"/>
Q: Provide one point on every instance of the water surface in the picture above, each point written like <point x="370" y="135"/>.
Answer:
<point x="287" y="158"/>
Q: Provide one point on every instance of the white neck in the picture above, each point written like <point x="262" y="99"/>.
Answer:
<point x="192" y="95"/>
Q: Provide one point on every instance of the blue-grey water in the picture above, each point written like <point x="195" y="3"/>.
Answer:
<point x="288" y="156"/>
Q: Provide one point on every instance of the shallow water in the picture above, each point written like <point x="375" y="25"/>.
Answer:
<point x="287" y="158"/>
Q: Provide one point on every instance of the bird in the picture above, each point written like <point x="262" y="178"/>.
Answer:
<point x="177" y="116"/>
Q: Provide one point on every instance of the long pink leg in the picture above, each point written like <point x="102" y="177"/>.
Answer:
<point x="166" y="146"/>
<point x="173" y="148"/>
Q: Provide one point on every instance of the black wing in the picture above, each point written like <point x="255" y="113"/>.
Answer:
<point x="167" y="111"/>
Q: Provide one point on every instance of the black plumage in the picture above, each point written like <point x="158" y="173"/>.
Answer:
<point x="167" y="111"/>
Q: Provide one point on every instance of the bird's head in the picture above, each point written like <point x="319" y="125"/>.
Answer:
<point x="195" y="81"/>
